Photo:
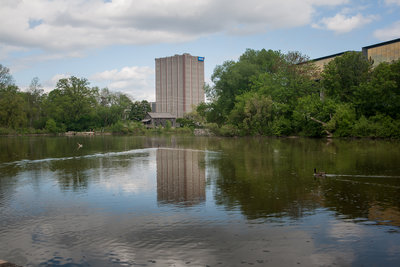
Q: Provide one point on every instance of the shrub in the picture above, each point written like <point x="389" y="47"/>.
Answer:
<point x="228" y="130"/>
<point x="281" y="126"/>
<point x="118" y="127"/>
<point x="342" y="121"/>
<point x="168" y="125"/>
<point x="51" y="126"/>
<point x="364" y="128"/>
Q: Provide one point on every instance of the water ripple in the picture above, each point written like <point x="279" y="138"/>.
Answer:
<point x="24" y="162"/>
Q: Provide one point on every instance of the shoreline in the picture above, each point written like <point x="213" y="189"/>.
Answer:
<point x="72" y="134"/>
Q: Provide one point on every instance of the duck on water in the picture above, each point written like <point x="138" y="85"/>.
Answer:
<point x="319" y="174"/>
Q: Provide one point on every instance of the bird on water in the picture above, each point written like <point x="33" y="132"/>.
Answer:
<point x="79" y="145"/>
<point x="319" y="174"/>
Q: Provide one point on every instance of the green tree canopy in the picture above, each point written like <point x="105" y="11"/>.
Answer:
<point x="344" y="74"/>
<point x="381" y="94"/>
<point x="234" y="78"/>
<point x="139" y="110"/>
<point x="72" y="103"/>
<point x="6" y="78"/>
<point x="12" y="107"/>
<point x="34" y="98"/>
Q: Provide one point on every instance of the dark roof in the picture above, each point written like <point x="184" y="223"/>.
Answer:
<point x="380" y="44"/>
<point x="325" y="57"/>
<point x="161" y="115"/>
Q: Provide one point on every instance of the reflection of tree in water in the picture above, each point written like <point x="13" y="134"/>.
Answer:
<point x="180" y="176"/>
<point x="7" y="187"/>
<point x="384" y="215"/>
<point x="361" y="197"/>
<point x="273" y="177"/>
<point x="77" y="173"/>
<point x="34" y="148"/>
<point x="73" y="173"/>
<point x="262" y="179"/>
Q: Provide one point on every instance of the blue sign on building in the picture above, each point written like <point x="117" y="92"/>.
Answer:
<point x="200" y="58"/>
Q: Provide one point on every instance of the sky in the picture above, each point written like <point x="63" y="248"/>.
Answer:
<point x="114" y="43"/>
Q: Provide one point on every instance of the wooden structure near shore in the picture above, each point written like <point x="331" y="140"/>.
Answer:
<point x="154" y="119"/>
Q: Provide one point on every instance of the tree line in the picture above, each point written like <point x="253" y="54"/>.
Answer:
<point x="269" y="93"/>
<point x="72" y="106"/>
<point x="264" y="92"/>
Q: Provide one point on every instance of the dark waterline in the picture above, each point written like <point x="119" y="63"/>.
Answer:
<point x="190" y="201"/>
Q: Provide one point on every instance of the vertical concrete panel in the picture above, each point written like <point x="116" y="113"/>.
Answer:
<point x="158" y="84"/>
<point x="179" y="96"/>
<point x="163" y="85"/>
<point x="174" y="84"/>
<point x="194" y="83"/>
<point x="201" y="82"/>
<point x="188" y="83"/>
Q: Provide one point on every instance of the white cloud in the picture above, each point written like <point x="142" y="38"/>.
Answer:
<point x="50" y="85"/>
<point x="125" y="73"/>
<point x="76" y="25"/>
<point x="388" y="33"/>
<point x="25" y="62"/>
<point x="136" y="81"/>
<point x="341" y="23"/>
<point x="346" y="231"/>
<point x="390" y="2"/>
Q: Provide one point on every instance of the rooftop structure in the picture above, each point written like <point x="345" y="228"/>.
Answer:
<point x="383" y="52"/>
<point x="322" y="61"/>
<point x="378" y="53"/>
<point x="153" y="119"/>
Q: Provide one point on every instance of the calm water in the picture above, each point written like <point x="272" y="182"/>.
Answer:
<point x="186" y="201"/>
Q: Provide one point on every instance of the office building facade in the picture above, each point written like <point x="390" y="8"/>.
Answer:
<point x="179" y="84"/>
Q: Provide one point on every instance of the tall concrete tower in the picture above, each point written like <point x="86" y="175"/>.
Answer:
<point x="179" y="84"/>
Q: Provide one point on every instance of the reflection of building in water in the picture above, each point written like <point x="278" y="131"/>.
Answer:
<point x="180" y="176"/>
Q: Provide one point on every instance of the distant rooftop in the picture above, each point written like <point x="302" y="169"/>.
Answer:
<point x="383" y="43"/>
<point x="161" y="115"/>
<point x="330" y="56"/>
<point x="363" y="48"/>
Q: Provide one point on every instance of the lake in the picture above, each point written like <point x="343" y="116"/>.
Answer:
<point x="197" y="201"/>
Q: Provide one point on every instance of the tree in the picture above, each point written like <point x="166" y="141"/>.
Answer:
<point x="12" y="112"/>
<point x="344" y="74"/>
<point x="122" y="106"/>
<point x="234" y="78"/>
<point x="72" y="103"/>
<point x="34" y="98"/>
<point x="139" y="110"/>
<point x="343" y="120"/>
<point x="253" y="114"/>
<point x="381" y="94"/>
<point x="6" y="78"/>
<point x="112" y="107"/>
